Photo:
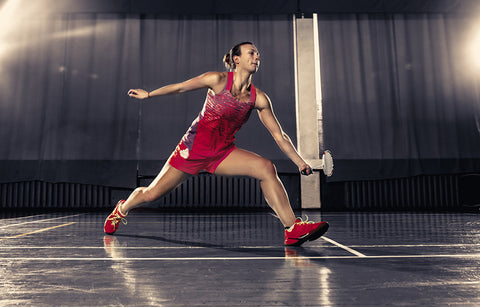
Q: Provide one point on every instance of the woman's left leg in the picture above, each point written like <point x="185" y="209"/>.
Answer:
<point x="245" y="163"/>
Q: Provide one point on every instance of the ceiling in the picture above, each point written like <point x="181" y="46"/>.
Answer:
<point x="203" y="7"/>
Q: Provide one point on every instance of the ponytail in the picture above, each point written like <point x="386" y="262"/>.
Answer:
<point x="228" y="61"/>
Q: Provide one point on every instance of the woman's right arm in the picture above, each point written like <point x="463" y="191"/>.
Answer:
<point x="213" y="80"/>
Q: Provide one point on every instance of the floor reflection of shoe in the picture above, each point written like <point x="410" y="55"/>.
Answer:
<point x="113" y="248"/>
<point x="109" y="244"/>
<point x="304" y="231"/>
<point x="113" y="220"/>
<point x="293" y="257"/>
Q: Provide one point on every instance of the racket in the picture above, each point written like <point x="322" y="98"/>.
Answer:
<point x="326" y="164"/>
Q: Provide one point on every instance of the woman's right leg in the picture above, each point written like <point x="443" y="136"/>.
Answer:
<point x="168" y="179"/>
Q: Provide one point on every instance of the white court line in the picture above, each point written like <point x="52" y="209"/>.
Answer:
<point x="22" y="217"/>
<point x="41" y="221"/>
<point x="229" y="247"/>
<point x="231" y="258"/>
<point x="37" y="231"/>
<point x="103" y="247"/>
<point x="148" y="247"/>
<point x="348" y="249"/>
<point x="416" y="245"/>
<point x="238" y="247"/>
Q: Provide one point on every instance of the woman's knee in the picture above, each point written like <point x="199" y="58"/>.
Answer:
<point x="265" y="168"/>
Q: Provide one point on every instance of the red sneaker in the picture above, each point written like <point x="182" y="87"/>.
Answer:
<point x="304" y="231"/>
<point x="113" y="220"/>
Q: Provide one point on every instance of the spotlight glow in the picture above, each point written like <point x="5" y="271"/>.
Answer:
<point x="7" y="26"/>
<point x="9" y="20"/>
<point x="24" y="30"/>
<point x="472" y="47"/>
<point x="474" y="52"/>
<point x="15" y="20"/>
<point x="7" y="11"/>
<point x="18" y="18"/>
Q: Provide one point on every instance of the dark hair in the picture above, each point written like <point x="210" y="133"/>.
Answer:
<point x="236" y="50"/>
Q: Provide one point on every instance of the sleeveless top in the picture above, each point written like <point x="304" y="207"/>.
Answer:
<point x="222" y="115"/>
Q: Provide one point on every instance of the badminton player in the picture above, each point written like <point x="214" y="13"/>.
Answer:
<point x="208" y="145"/>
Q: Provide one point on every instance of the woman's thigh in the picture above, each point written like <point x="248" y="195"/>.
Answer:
<point x="242" y="162"/>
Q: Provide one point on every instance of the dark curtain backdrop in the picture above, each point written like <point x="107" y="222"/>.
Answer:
<point x="64" y="110"/>
<point x="400" y="94"/>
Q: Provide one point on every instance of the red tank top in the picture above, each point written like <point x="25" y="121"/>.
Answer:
<point x="221" y="117"/>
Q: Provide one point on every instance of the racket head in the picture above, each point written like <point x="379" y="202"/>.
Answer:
<point x="327" y="163"/>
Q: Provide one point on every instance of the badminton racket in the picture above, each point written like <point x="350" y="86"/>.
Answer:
<point x="326" y="164"/>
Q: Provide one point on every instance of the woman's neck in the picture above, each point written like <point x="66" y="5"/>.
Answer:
<point x="242" y="80"/>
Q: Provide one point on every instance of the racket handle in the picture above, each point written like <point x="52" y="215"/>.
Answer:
<point x="304" y="171"/>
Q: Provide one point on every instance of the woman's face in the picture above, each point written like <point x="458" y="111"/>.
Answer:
<point x="249" y="58"/>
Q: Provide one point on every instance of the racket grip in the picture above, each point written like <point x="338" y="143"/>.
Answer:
<point x="307" y="171"/>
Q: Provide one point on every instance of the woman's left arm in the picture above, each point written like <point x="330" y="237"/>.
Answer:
<point x="269" y="120"/>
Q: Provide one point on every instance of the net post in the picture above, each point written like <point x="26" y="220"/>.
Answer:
<point x="307" y="102"/>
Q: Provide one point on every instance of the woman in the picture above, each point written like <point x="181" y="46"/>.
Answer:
<point x="208" y="144"/>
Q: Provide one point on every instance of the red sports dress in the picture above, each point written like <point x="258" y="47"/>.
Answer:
<point x="210" y="138"/>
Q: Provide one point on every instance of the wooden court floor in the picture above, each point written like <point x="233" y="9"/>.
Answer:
<point x="238" y="259"/>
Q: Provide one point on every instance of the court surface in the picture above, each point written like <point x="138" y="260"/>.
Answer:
<point x="238" y="259"/>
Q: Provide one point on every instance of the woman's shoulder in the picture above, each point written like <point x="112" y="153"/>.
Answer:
<point x="216" y="76"/>
<point x="262" y="100"/>
<point x="215" y="80"/>
<point x="261" y="94"/>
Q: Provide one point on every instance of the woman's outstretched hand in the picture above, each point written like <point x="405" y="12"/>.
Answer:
<point x="138" y="93"/>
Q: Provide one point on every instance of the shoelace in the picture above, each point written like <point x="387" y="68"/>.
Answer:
<point x="301" y="222"/>
<point x="116" y="218"/>
<point x="304" y="222"/>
